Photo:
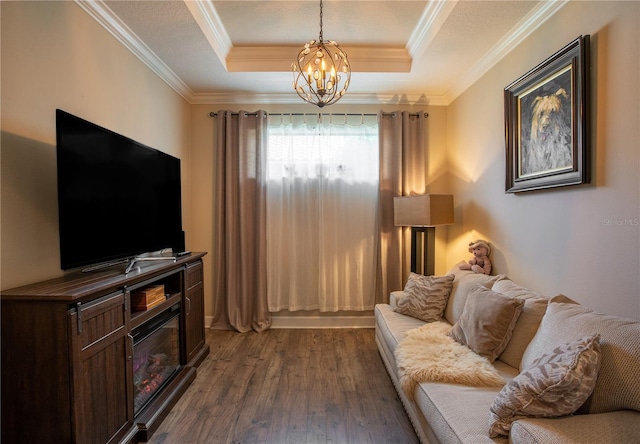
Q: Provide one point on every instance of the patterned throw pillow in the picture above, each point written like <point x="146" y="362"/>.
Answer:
<point x="487" y="322"/>
<point x="618" y="385"/>
<point x="425" y="297"/>
<point x="557" y="384"/>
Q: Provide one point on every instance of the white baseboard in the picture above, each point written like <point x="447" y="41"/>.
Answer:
<point x="322" y="322"/>
<point x="316" y="321"/>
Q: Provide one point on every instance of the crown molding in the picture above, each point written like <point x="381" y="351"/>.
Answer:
<point x="101" y="13"/>
<point x="538" y="15"/>
<point x="431" y="20"/>
<point x="293" y="99"/>
<point x="207" y="18"/>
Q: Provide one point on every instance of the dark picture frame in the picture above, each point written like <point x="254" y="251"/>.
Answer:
<point x="547" y="122"/>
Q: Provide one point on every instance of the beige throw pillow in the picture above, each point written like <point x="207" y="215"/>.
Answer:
<point x="425" y="297"/>
<point x="463" y="282"/>
<point x="487" y="322"/>
<point x="535" y="305"/>
<point x="557" y="384"/>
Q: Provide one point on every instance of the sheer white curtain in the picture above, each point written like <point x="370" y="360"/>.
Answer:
<point x="322" y="197"/>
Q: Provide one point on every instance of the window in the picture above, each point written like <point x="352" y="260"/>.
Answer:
<point x="322" y="200"/>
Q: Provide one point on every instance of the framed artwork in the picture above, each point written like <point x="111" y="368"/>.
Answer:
<point x="547" y="122"/>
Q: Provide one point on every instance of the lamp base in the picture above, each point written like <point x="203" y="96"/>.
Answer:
<point x="424" y="240"/>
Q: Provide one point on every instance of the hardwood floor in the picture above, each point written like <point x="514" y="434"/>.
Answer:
<point x="289" y="386"/>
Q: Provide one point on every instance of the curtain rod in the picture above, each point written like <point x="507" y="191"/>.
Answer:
<point x="212" y="114"/>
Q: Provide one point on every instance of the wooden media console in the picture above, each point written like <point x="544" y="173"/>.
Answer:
<point x="68" y="352"/>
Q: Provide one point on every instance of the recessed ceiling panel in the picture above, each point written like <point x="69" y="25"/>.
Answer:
<point x="382" y="23"/>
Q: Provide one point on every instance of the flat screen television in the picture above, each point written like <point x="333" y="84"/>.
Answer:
<point x="117" y="198"/>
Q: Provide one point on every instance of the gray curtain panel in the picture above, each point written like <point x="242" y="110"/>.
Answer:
<point x="403" y="172"/>
<point x="239" y="222"/>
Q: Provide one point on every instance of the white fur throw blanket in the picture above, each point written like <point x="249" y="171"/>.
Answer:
<point x="429" y="354"/>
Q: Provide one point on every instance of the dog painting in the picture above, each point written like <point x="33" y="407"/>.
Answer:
<point x="545" y="117"/>
<point x="547" y="122"/>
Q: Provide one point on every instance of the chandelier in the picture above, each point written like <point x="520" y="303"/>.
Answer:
<point x="321" y="73"/>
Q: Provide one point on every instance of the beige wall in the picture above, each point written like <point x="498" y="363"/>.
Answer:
<point x="55" y="56"/>
<point x="583" y="242"/>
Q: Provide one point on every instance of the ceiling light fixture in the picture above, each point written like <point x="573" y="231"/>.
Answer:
<point x="322" y="72"/>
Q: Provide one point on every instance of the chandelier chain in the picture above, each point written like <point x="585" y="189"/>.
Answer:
<point x="320" y="36"/>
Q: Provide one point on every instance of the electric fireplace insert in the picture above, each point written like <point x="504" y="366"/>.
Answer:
<point x="156" y="355"/>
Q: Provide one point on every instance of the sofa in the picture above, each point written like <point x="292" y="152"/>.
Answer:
<point x="567" y="374"/>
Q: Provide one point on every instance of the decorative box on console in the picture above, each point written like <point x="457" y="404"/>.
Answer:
<point x="147" y="298"/>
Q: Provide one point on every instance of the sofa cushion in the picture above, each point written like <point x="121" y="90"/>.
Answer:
<point x="615" y="427"/>
<point x="462" y="284"/>
<point x="392" y="328"/>
<point x="618" y="384"/>
<point x="425" y="297"/>
<point x="487" y="322"/>
<point x="429" y="354"/>
<point x="457" y="413"/>
<point x="535" y="305"/>
<point x="394" y="297"/>
<point x="555" y="385"/>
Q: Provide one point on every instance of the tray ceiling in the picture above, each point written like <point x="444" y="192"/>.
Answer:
<point x="241" y="51"/>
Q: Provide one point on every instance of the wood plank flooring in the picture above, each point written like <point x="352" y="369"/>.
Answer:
<point x="289" y="386"/>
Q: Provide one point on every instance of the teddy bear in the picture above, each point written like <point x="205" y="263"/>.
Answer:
<point x="480" y="262"/>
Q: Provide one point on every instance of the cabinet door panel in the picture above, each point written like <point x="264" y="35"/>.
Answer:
<point x="194" y="311"/>
<point x="195" y="322"/>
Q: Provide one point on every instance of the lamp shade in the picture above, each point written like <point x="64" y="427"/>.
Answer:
<point x="427" y="210"/>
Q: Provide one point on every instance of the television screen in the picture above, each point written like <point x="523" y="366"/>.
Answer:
<point x="117" y="198"/>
